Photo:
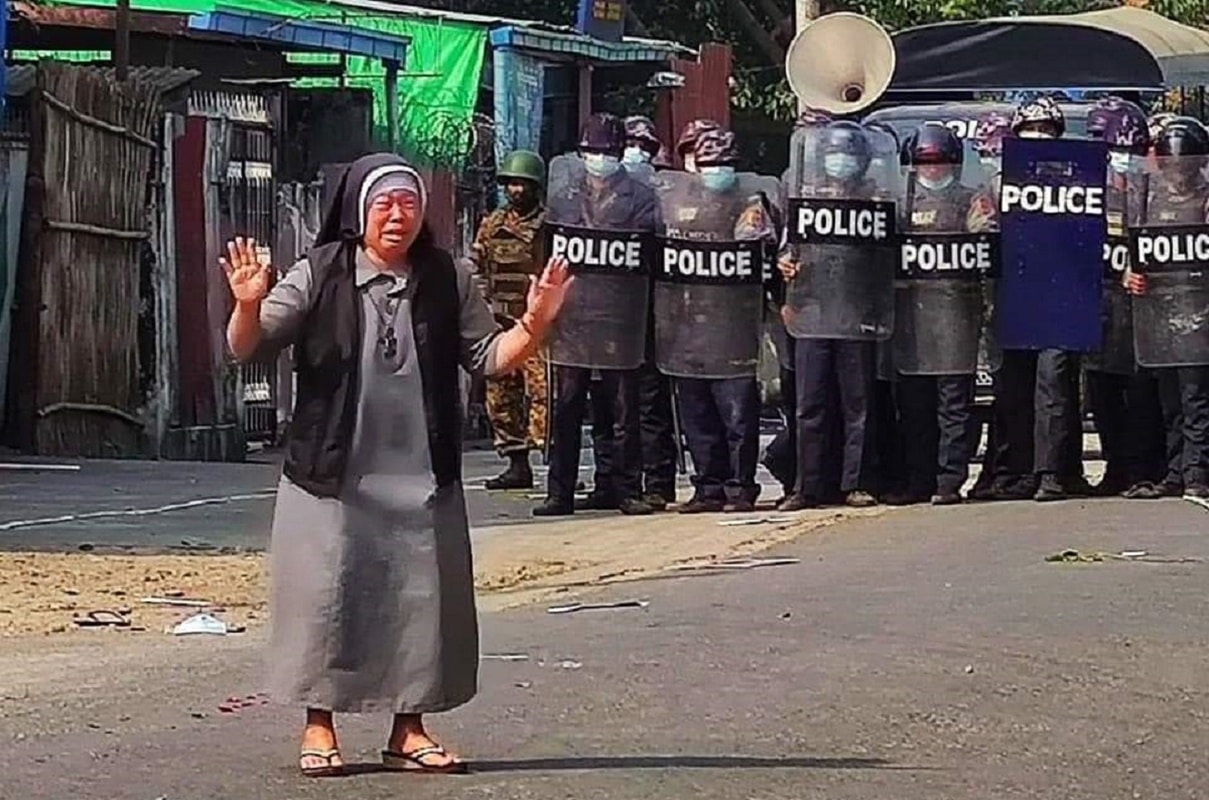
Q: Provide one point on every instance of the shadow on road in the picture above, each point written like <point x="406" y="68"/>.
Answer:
<point x="679" y="762"/>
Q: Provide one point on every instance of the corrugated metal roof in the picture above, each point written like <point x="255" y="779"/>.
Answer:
<point x="19" y="78"/>
<point x="490" y="21"/>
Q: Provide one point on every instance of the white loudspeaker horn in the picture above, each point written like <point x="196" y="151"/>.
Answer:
<point x="840" y="63"/>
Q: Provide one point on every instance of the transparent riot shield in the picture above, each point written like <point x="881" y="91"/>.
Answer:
<point x="709" y="275"/>
<point x="984" y="218"/>
<point x="841" y="233"/>
<point x="1116" y="354"/>
<point x="604" y="228"/>
<point x="939" y="293"/>
<point x="1170" y="246"/>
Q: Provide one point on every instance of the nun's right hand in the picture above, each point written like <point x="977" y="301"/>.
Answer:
<point x="249" y="270"/>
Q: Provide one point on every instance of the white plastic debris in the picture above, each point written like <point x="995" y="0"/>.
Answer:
<point x="201" y="624"/>
<point x="734" y="523"/>
<point x="573" y="607"/>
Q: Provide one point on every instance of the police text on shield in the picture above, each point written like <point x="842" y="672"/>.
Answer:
<point x="597" y="252"/>
<point x="854" y="222"/>
<point x="1169" y="249"/>
<point x="1064" y="200"/>
<point x="957" y="258"/>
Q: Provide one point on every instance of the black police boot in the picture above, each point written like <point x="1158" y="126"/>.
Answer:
<point x="634" y="507"/>
<point x="554" y="508"/>
<point x="519" y="475"/>
<point x="1050" y="489"/>
<point x="598" y="500"/>
<point x="797" y="502"/>
<point x="702" y="505"/>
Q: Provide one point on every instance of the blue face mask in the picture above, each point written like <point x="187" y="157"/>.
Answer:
<point x="718" y="179"/>
<point x="635" y="155"/>
<point x="600" y="165"/>
<point x="841" y="165"/>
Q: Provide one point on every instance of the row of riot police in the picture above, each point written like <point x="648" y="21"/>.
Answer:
<point x="889" y="295"/>
<point x="670" y="270"/>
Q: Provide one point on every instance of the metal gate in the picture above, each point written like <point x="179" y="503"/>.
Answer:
<point x="252" y="194"/>
<point x="247" y="207"/>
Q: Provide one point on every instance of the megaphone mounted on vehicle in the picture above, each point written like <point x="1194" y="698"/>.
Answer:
<point x="840" y="63"/>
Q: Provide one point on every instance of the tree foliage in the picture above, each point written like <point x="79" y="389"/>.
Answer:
<point x="759" y="83"/>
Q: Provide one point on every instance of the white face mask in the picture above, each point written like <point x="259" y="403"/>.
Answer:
<point x="934" y="184"/>
<point x="1119" y="162"/>
<point x="1035" y="134"/>
<point x="600" y="165"/>
<point x="636" y="155"/>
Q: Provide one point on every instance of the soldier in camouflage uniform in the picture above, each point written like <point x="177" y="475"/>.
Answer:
<point x="508" y="250"/>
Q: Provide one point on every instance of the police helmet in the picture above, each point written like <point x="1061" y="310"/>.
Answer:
<point x="1183" y="137"/>
<point x="990" y="133"/>
<point x="1041" y="111"/>
<point x="1125" y="127"/>
<point x="1158" y="122"/>
<point x="688" y="137"/>
<point x="642" y="131"/>
<point x="522" y="165"/>
<point x="884" y="128"/>
<point x="932" y="143"/>
<point x="1099" y="115"/>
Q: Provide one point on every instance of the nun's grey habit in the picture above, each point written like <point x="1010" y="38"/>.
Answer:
<point x="372" y="586"/>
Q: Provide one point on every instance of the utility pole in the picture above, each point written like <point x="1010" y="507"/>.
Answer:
<point x="805" y="12"/>
<point x="121" y="45"/>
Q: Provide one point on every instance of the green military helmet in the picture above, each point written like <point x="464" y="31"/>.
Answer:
<point x="523" y="164"/>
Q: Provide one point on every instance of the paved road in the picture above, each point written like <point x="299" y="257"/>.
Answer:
<point x="923" y="655"/>
<point x="225" y="505"/>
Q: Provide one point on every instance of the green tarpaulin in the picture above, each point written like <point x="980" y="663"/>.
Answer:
<point x="438" y="86"/>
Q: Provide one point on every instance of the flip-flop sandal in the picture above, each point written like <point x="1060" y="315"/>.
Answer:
<point x="329" y="771"/>
<point x="414" y="761"/>
<point x="102" y="618"/>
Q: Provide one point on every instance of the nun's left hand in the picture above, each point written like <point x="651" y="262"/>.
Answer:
<point x="546" y="294"/>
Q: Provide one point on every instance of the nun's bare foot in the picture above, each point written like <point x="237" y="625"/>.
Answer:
<point x="320" y="755"/>
<point x="410" y="747"/>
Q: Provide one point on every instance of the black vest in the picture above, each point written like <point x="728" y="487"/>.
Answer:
<point x="327" y="356"/>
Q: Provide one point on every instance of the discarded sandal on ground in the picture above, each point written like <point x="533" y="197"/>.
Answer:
<point x="328" y="770"/>
<point x="419" y="761"/>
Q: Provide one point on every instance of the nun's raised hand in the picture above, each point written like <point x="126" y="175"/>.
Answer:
<point x="547" y="293"/>
<point x="249" y="270"/>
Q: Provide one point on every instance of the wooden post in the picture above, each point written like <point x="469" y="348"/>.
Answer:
<point x="121" y="44"/>
<point x="392" y="104"/>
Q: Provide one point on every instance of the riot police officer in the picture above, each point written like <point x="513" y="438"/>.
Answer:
<point x="708" y="327"/>
<point x="1124" y="399"/>
<point x="507" y="250"/>
<point x="659" y="444"/>
<point x="592" y="201"/>
<point x="984" y="216"/>
<point x="688" y="139"/>
<point x="1172" y="292"/>
<point x="834" y="334"/>
<point x="781" y="456"/>
<point x="1040" y="430"/>
<point x="937" y="322"/>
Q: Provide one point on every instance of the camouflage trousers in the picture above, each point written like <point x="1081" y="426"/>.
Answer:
<point x="517" y="406"/>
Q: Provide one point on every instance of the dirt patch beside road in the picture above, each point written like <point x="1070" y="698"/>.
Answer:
<point x="44" y="592"/>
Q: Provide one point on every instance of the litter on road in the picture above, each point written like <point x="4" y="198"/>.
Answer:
<point x="734" y="523"/>
<point x="736" y="563"/>
<point x="573" y="607"/>
<point x="176" y="601"/>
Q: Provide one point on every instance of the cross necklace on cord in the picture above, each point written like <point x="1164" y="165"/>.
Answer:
<point x="387" y="311"/>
